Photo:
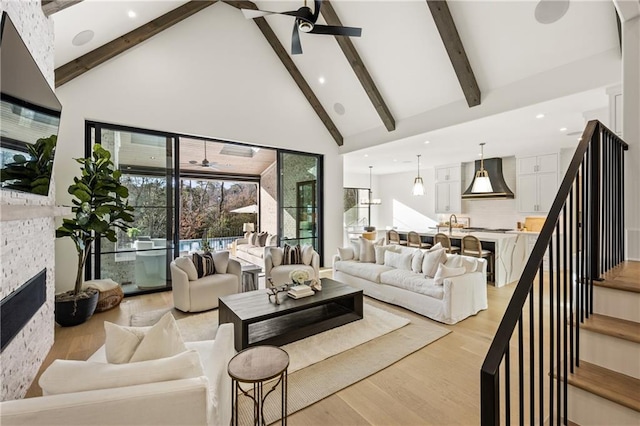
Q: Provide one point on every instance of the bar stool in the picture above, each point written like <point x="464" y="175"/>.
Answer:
<point x="471" y="246"/>
<point x="414" y="240"/>
<point x="394" y="238"/>
<point x="445" y="242"/>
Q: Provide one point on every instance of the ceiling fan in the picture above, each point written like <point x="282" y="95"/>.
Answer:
<point x="306" y="22"/>
<point x="206" y="163"/>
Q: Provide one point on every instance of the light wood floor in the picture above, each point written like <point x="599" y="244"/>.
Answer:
<point x="436" y="385"/>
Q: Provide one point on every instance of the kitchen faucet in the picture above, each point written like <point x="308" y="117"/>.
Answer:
<point x="454" y="218"/>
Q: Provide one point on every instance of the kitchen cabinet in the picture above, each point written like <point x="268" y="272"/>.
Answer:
<point x="448" y="190"/>
<point x="537" y="182"/>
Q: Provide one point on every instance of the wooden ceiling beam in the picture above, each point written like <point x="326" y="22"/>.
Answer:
<point x="84" y="63"/>
<point x="49" y="7"/>
<point x="452" y="43"/>
<point x="288" y="63"/>
<point x="354" y="59"/>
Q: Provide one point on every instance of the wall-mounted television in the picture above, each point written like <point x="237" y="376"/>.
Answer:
<point x="29" y="117"/>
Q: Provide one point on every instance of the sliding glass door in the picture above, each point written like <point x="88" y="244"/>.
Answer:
<point x="300" y="196"/>
<point x="140" y="259"/>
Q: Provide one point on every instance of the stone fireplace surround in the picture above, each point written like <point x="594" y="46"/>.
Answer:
<point x="27" y="230"/>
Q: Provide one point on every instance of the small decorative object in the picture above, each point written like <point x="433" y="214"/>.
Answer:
<point x="273" y="290"/>
<point x="315" y="284"/>
<point x="299" y="276"/>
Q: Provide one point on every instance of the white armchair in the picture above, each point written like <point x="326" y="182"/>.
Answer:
<point x="278" y="271"/>
<point x="193" y="294"/>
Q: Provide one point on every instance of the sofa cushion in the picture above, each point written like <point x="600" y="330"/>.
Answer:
<point x="468" y="263"/>
<point x="381" y="249"/>
<point x="292" y="255"/>
<point x="186" y="264"/>
<point x="355" y="245"/>
<point x="253" y="239"/>
<point x="67" y="376"/>
<point x="398" y="260"/>
<point x="276" y="256"/>
<point x="416" y="261"/>
<point x="204" y="264"/>
<point x="262" y="239"/>
<point x="255" y="251"/>
<point x="272" y="240"/>
<point x="446" y="272"/>
<point x="431" y="261"/>
<point x="244" y="247"/>
<point x="345" y="253"/>
<point x="133" y="344"/>
<point x="367" y="271"/>
<point x="221" y="261"/>
<point x="307" y="254"/>
<point x="395" y="277"/>
<point x="417" y="283"/>
<point x="367" y="251"/>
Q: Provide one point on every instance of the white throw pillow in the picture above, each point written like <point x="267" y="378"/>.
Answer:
<point x="367" y="251"/>
<point x="67" y="376"/>
<point x="446" y="272"/>
<point x="276" y="256"/>
<point x="431" y="261"/>
<point x="397" y="260"/>
<point x="221" y="261"/>
<point x="134" y="344"/>
<point x="379" y="250"/>
<point x="345" y="253"/>
<point x="104" y="284"/>
<point x="456" y="261"/>
<point x="272" y="240"/>
<point x="355" y="245"/>
<point x="186" y="264"/>
<point x="438" y="246"/>
<point x="416" y="261"/>
<point x="307" y="254"/>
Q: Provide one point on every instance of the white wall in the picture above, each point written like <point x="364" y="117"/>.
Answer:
<point x="200" y="77"/>
<point x="27" y="244"/>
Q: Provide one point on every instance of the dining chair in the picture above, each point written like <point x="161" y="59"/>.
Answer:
<point x="394" y="238"/>
<point x="471" y="246"/>
<point x="414" y="240"/>
<point x="445" y="241"/>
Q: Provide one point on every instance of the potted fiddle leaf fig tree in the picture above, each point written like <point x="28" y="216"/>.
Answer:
<point x="99" y="207"/>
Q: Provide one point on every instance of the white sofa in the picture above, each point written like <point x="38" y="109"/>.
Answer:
<point x="204" y="400"/>
<point x="456" y="299"/>
<point x="253" y="253"/>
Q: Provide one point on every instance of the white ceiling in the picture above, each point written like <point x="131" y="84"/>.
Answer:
<point x="404" y="54"/>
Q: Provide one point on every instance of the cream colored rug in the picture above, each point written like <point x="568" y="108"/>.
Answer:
<point x="323" y="364"/>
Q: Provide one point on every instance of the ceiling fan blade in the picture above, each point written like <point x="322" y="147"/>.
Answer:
<point x="316" y="10"/>
<point x="252" y="13"/>
<point x="296" y="47"/>
<point x="336" y="31"/>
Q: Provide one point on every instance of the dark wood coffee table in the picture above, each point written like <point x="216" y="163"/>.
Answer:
<point x="260" y="322"/>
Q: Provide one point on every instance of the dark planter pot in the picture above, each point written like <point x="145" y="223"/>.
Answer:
<point x="68" y="315"/>
<point x="369" y="228"/>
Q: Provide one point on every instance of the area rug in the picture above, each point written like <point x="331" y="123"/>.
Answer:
<point x="318" y="371"/>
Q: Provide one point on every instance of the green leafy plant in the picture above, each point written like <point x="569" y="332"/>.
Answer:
<point x="31" y="173"/>
<point x="133" y="232"/>
<point x="99" y="206"/>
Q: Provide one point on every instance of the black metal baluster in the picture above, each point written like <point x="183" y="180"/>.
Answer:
<point x="541" y="340"/>
<point x="520" y="371"/>
<point x="551" y="333"/>
<point x="572" y="281"/>
<point x="532" y="405"/>
<point x="507" y="387"/>
<point x="588" y="231"/>
<point x="558" y="369"/>
<point x="565" y="331"/>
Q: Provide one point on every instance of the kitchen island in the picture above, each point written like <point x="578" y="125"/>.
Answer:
<point x="510" y="250"/>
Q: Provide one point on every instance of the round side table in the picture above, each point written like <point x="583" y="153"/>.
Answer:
<point x="257" y="365"/>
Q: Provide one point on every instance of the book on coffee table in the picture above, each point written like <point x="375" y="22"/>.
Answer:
<point x="300" y="291"/>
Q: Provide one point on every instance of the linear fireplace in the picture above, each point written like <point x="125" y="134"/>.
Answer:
<point x="19" y="307"/>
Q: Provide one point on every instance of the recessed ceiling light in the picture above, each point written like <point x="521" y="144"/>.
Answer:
<point x="366" y="155"/>
<point x="131" y="14"/>
<point x="395" y="160"/>
<point x="426" y="142"/>
<point x="540" y="116"/>
<point x="83" y="37"/>
<point x="563" y="129"/>
<point x="152" y="157"/>
<point x="321" y="80"/>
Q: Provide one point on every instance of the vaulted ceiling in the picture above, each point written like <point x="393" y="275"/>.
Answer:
<point x="419" y="68"/>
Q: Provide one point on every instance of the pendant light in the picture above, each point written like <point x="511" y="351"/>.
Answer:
<point x="370" y="200"/>
<point x="418" y="184"/>
<point x="481" y="183"/>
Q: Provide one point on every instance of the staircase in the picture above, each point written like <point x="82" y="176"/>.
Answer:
<point x="605" y="386"/>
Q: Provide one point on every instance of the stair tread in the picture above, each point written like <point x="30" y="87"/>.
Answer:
<point x="620" y="283"/>
<point x="616" y="327"/>
<point x="625" y="276"/>
<point x="614" y="386"/>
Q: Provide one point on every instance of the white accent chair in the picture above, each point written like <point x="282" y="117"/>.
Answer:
<point x="202" y="294"/>
<point x="279" y="272"/>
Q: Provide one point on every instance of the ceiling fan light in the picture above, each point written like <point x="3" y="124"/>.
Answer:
<point x="418" y="186"/>
<point x="305" y="26"/>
